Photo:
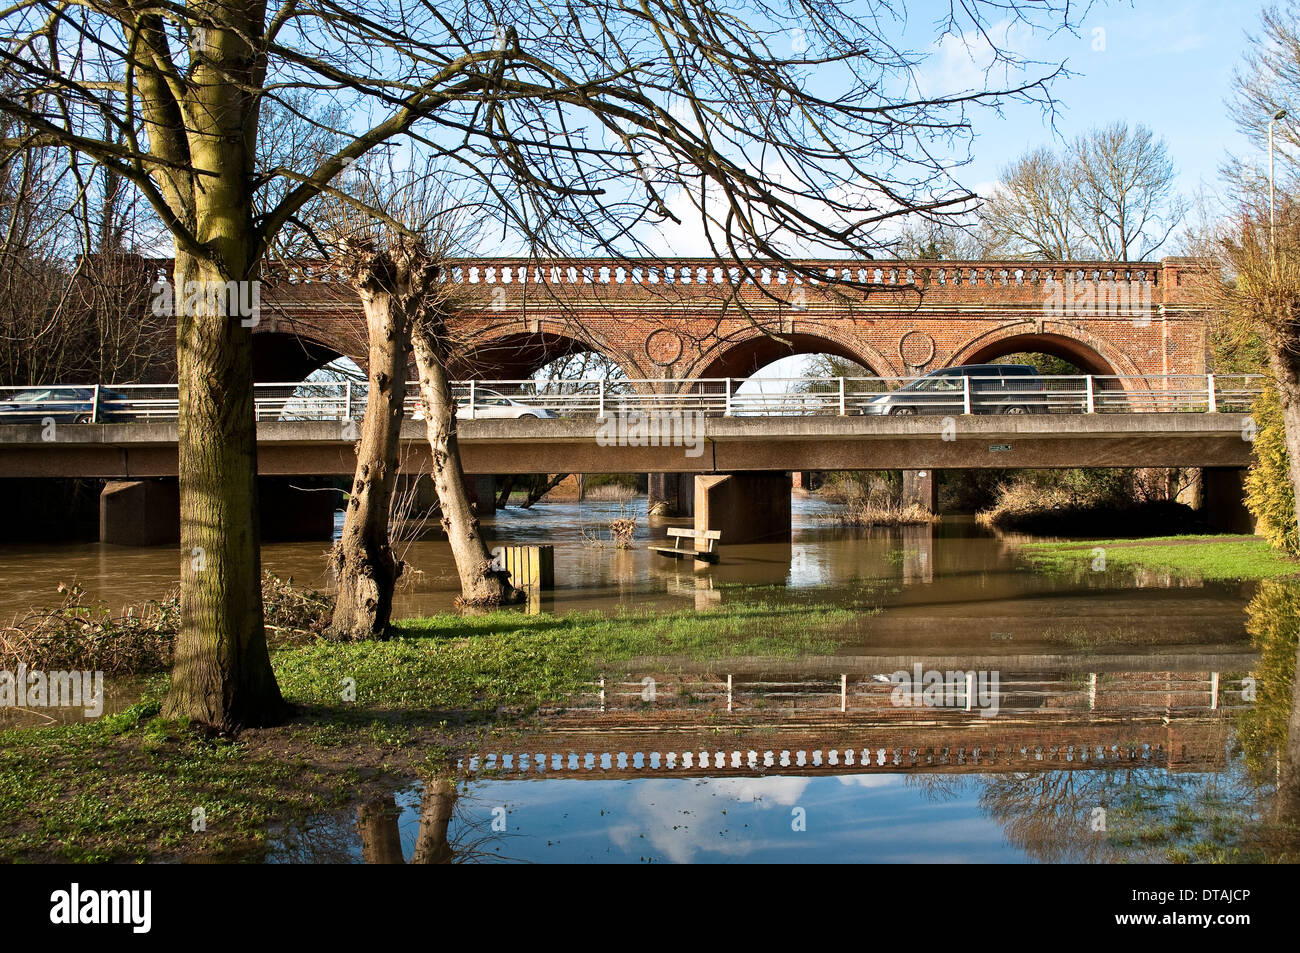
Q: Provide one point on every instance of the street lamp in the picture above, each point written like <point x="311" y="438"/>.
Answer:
<point x="1280" y="114"/>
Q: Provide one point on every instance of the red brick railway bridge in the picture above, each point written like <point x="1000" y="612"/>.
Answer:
<point x="691" y="319"/>
<point x="688" y="324"/>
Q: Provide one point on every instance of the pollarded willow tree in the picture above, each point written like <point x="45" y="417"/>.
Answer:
<point x="790" y="124"/>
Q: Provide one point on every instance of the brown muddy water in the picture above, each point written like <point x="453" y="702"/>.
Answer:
<point x="950" y="588"/>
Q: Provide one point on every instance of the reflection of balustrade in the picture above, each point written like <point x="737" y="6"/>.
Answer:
<point x="711" y="760"/>
<point x="1111" y="692"/>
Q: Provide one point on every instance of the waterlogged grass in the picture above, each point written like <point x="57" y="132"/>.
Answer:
<point x="507" y="660"/>
<point x="1195" y="557"/>
<point x="126" y="787"/>
<point x="133" y="787"/>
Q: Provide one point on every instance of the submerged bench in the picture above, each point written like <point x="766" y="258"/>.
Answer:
<point x="709" y="537"/>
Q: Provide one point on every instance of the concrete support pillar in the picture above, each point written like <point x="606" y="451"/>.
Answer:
<point x="140" y="513"/>
<point x="291" y="513"/>
<point x="482" y="493"/>
<point x="921" y="488"/>
<point x="147" y="512"/>
<point x="745" y="507"/>
<point x="1223" y="500"/>
<point x="671" y="494"/>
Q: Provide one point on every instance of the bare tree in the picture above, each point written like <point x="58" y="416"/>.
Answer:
<point x="392" y="281"/>
<point x="1034" y="210"/>
<point x="481" y="583"/>
<point x="1110" y="194"/>
<point x="1264" y="84"/>
<point x="1128" y="205"/>
<point x="570" y="126"/>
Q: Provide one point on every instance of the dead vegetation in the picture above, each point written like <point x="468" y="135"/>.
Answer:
<point x="80" y="632"/>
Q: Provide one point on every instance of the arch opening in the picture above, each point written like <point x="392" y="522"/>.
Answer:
<point x="1079" y="357"/>
<point x="284" y="358"/>
<point x="757" y="354"/>
<point x="531" y="356"/>
<point x="297" y="378"/>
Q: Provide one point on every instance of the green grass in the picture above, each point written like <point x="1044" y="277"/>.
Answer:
<point x="503" y="659"/>
<point x="1197" y="557"/>
<point x="127" y="787"/>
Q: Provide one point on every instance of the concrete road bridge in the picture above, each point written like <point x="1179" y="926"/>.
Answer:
<point x="740" y="449"/>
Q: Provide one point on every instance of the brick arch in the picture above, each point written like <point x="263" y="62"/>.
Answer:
<point x="290" y="356"/>
<point x="517" y="354"/>
<point x="745" y="352"/>
<point x="1087" y="352"/>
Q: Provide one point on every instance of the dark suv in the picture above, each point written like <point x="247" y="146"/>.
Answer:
<point x="994" y="389"/>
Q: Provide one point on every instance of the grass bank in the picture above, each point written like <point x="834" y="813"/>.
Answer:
<point x="126" y="787"/>
<point x="1211" y="558"/>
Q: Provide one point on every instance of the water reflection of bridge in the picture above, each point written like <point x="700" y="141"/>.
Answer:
<point x="894" y="688"/>
<point x="758" y="720"/>
<point x="940" y="747"/>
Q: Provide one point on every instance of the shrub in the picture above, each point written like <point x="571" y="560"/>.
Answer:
<point x="81" y="633"/>
<point x="1269" y="494"/>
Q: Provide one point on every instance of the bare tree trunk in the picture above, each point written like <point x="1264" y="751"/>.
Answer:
<point x="507" y="487"/>
<point x="363" y="559"/>
<point x="221" y="672"/>
<point x="538" y="487"/>
<point x="381" y="841"/>
<point x="480" y="584"/>
<point x="431" y="844"/>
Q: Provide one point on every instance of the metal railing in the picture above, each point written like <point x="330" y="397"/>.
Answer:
<point x="717" y="397"/>
<point x="848" y="693"/>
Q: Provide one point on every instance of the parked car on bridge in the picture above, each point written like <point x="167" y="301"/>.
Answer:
<point x="994" y="389"/>
<point x="490" y="405"/>
<point x="62" y="404"/>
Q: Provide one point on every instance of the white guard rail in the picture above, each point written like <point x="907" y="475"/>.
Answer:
<point x="601" y="397"/>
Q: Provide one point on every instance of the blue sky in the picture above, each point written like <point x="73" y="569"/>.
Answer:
<point x="1167" y="65"/>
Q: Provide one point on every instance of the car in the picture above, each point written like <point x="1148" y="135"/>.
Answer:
<point x="490" y="405"/>
<point x="994" y="389"/>
<point x="63" y="405"/>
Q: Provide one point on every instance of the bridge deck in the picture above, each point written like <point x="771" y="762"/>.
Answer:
<point x="707" y="445"/>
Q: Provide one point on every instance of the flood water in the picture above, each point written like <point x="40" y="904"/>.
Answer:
<point x="845" y="818"/>
<point x="952" y="583"/>
<point x="1121" y="692"/>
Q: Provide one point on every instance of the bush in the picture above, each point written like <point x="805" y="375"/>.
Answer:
<point x="1087" y="503"/>
<point x="81" y="633"/>
<point x="78" y="633"/>
<point x="1269" y="494"/>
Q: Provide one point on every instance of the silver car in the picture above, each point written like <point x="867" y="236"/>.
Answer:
<point x="491" y="405"/>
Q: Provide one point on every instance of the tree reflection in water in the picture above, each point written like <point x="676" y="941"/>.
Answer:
<point x="377" y="829"/>
<point x="1248" y="812"/>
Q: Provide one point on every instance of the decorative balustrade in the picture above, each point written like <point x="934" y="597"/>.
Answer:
<point x="707" y="272"/>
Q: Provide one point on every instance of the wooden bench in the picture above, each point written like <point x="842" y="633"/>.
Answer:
<point x="710" y="538"/>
